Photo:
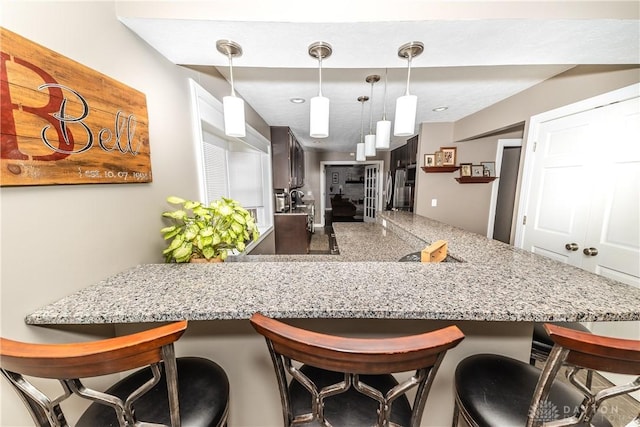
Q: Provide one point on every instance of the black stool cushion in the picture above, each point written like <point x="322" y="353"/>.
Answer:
<point x="497" y="390"/>
<point x="351" y="408"/>
<point x="203" y="390"/>
<point x="543" y="342"/>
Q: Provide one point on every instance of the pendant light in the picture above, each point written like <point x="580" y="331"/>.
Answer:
<point x="406" y="106"/>
<point x="370" y="139"/>
<point x="319" y="105"/>
<point x="360" y="148"/>
<point x="383" y="127"/>
<point x="234" y="124"/>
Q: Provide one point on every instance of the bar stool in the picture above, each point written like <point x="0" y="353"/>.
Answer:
<point x="331" y="380"/>
<point x="150" y="395"/>
<point x="541" y="344"/>
<point x="494" y="390"/>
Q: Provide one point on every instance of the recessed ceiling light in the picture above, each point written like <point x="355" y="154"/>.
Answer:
<point x="297" y="100"/>
<point x="438" y="109"/>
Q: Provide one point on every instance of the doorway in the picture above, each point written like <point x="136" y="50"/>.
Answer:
<point x="503" y="191"/>
<point x="350" y="191"/>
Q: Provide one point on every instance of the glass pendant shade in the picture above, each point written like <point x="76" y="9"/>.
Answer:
<point x="233" y="107"/>
<point x="370" y="145"/>
<point x="319" y="117"/>
<point x="383" y="134"/>
<point x="234" y="124"/>
<point x="319" y="105"/>
<point x="407" y="105"/>
<point x="405" y="119"/>
<point x="360" y="156"/>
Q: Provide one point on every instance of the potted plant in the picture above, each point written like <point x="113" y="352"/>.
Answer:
<point x="207" y="233"/>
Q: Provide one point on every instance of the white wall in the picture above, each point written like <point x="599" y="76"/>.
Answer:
<point x="462" y="205"/>
<point x="58" y="239"/>
<point x="467" y="206"/>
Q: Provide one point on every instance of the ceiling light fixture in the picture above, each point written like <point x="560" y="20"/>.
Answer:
<point x="297" y="100"/>
<point x="319" y="105"/>
<point x="383" y="127"/>
<point x="406" y="106"/>
<point x="370" y="139"/>
<point x="439" y="109"/>
<point x="234" y="124"/>
<point x="360" y="156"/>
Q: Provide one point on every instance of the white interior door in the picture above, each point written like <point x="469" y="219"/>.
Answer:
<point x="370" y="192"/>
<point x="558" y="202"/>
<point x="614" y="223"/>
<point x="586" y="191"/>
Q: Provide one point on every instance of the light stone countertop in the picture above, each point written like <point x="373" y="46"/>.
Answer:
<point x="493" y="282"/>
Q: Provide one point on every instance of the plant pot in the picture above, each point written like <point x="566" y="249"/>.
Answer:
<point x="204" y="260"/>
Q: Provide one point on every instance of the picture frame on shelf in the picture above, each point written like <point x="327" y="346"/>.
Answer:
<point x="429" y="160"/>
<point x="477" y="171"/>
<point x="465" y="169"/>
<point x="449" y="156"/>
<point x="335" y="178"/>
<point x="439" y="158"/>
<point x="489" y="168"/>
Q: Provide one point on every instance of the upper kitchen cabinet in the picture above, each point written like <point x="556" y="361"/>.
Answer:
<point x="412" y="150"/>
<point x="405" y="155"/>
<point x="287" y="159"/>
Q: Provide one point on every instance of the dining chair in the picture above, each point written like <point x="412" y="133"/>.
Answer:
<point x="336" y="381"/>
<point x="191" y="391"/>
<point x="494" y="390"/>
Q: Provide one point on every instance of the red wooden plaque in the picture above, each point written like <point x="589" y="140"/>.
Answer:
<point x="64" y="123"/>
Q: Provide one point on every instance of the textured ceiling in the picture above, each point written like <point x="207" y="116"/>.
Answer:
<point x="467" y="64"/>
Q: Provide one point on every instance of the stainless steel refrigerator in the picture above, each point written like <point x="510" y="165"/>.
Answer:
<point x="402" y="191"/>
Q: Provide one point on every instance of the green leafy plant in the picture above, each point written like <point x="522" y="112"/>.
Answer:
<point x="200" y="231"/>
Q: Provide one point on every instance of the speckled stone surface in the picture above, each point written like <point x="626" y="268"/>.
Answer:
<point x="495" y="282"/>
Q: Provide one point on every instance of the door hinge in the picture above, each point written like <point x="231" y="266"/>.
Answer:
<point x="524" y="220"/>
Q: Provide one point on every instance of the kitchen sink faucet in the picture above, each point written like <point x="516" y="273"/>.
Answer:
<point x="298" y="199"/>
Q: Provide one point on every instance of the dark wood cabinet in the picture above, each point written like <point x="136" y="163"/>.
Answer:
<point x="298" y="165"/>
<point x="287" y="158"/>
<point x="405" y="155"/>
<point x="292" y="234"/>
<point x="412" y="150"/>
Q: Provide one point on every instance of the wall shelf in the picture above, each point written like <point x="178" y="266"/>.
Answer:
<point x="440" y="169"/>
<point x="475" y="179"/>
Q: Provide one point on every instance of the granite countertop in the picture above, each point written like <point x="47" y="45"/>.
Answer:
<point x="306" y="208"/>
<point x="493" y="282"/>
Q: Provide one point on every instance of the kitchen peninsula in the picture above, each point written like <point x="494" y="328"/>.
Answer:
<point x="492" y="282"/>
<point x="493" y="294"/>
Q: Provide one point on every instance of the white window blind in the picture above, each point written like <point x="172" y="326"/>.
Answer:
<point x="245" y="177"/>
<point x="215" y="168"/>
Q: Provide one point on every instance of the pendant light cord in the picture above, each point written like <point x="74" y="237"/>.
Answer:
<point x="384" y="98"/>
<point x="408" y="74"/>
<point x="233" y="91"/>
<point x="362" y="122"/>
<point x="371" y="110"/>
<point x="320" y="75"/>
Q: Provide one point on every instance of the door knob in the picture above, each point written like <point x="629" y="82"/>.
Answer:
<point x="571" y="246"/>
<point x="590" y="251"/>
